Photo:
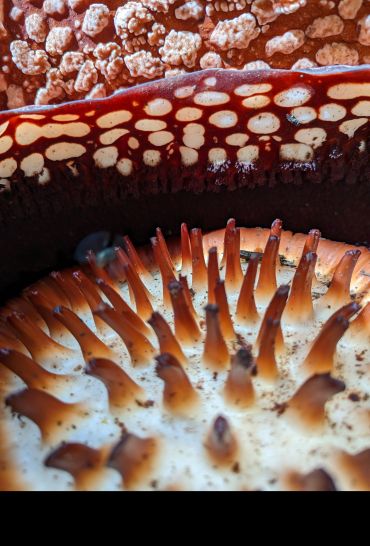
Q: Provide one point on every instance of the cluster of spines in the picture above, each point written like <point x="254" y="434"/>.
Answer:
<point x="50" y="311"/>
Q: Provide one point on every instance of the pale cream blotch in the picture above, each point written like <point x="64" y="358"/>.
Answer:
<point x="150" y="125"/>
<point x="184" y="92"/>
<point x="32" y="164"/>
<point x="188" y="114"/>
<point x="158" y="107"/>
<point x="125" y="166"/>
<point x="7" y="167"/>
<point x="152" y="158"/>
<point x="161" y="138"/>
<point x="133" y="143"/>
<point x="294" y="96"/>
<point x="6" y="142"/>
<point x="248" y="154"/>
<point x="350" y="126"/>
<point x="256" y="101"/>
<point x="332" y="112"/>
<point x="106" y="157"/>
<point x="27" y="133"/>
<point x="304" y="114"/>
<point x="109" y="137"/>
<point x="66" y="117"/>
<point x="348" y="91"/>
<point x="193" y="135"/>
<point x="112" y="119"/>
<point x="314" y="136"/>
<point x="362" y="108"/>
<point x="249" y="89"/>
<point x="296" y="152"/>
<point x="217" y="156"/>
<point x="64" y="150"/>
<point x="223" y="119"/>
<point x="237" y="139"/>
<point x="211" y="98"/>
<point x="189" y="156"/>
<point x="264" y="123"/>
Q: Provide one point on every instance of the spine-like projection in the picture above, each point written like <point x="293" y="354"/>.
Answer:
<point x="284" y="143"/>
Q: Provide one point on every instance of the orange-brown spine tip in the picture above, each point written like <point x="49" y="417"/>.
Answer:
<point x="226" y="323"/>
<point x="321" y="355"/>
<point x="53" y="289"/>
<point x="116" y="270"/>
<point x="141" y="294"/>
<point x="186" y="327"/>
<point x="339" y="289"/>
<point x="56" y="328"/>
<point x="79" y="460"/>
<point x="312" y="241"/>
<point x="121" y="388"/>
<point x="188" y="295"/>
<point x="213" y="274"/>
<point x="221" y="444"/>
<point x="39" y="344"/>
<point x="8" y="341"/>
<point x="88" y="289"/>
<point x="91" y="294"/>
<point x="139" y="347"/>
<point x="25" y="307"/>
<point x="246" y="310"/>
<point x="308" y="403"/>
<point x="185" y="251"/>
<point x="42" y="408"/>
<point x="135" y="259"/>
<point x="317" y="480"/>
<point x="266" y="361"/>
<point x="238" y="263"/>
<point x="239" y="389"/>
<point x="66" y="283"/>
<point x="230" y="225"/>
<point x="276" y="227"/>
<point x="114" y="267"/>
<point x="98" y="271"/>
<point x="299" y="307"/>
<point x="33" y="375"/>
<point x="361" y="324"/>
<point x="121" y="257"/>
<point x="357" y="469"/>
<point x="165" y="268"/>
<point x="266" y="285"/>
<point x="90" y="344"/>
<point x="216" y="354"/>
<point x="123" y="308"/>
<point x="234" y="274"/>
<point x="164" y="249"/>
<point x="167" y="341"/>
<point x="274" y="312"/>
<point x="6" y="329"/>
<point x="179" y="395"/>
<point x="134" y="459"/>
<point x="199" y="269"/>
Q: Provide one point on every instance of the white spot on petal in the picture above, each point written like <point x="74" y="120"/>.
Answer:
<point x="264" y="123"/>
<point x="106" y="157"/>
<point x="350" y="127"/>
<point x="223" y="119"/>
<point x="294" y="96"/>
<point x="158" y="107"/>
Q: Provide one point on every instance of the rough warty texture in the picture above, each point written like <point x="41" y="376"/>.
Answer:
<point x="54" y="51"/>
